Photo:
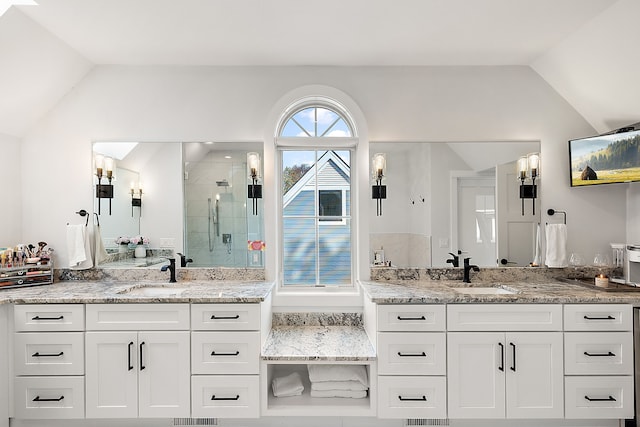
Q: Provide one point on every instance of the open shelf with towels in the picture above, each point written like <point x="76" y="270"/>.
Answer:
<point x="305" y="404"/>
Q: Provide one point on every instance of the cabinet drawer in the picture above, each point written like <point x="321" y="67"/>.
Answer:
<point x="135" y="317"/>
<point x="225" y="352"/>
<point x="48" y="317"/>
<point x="598" y="317"/>
<point x="412" y="353"/>
<point x="412" y="397"/>
<point x="49" y="353"/>
<point x="411" y="318"/>
<point x="598" y="353"/>
<point x="599" y="397"/>
<point x="504" y="317"/>
<point x="225" y="396"/>
<point x="49" y="397"/>
<point x="225" y="317"/>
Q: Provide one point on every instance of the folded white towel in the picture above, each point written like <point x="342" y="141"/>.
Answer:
<point x="319" y="373"/>
<point x="289" y="385"/>
<point x="353" y="394"/>
<point x="338" y="385"/>
<point x="556" y="253"/>
<point x="78" y="247"/>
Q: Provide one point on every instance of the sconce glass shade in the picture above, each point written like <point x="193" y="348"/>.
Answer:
<point x="378" y="166"/>
<point x="253" y="165"/>
<point x="533" y="162"/>
<point x="522" y="167"/>
<point x="99" y="164"/>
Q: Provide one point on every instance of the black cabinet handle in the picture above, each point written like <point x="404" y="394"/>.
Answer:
<point x="225" y="398"/>
<point x="235" y="353"/>
<point x="600" y="318"/>
<point x="38" y="399"/>
<point x="513" y="349"/>
<point x="412" y="318"/>
<point x="421" y="354"/>
<point x="214" y="317"/>
<point x="141" y="356"/>
<point x="595" y="399"/>
<point x="47" y="318"/>
<point x="36" y="354"/>
<point x="129" y="364"/>
<point x="413" y="399"/>
<point x="608" y="354"/>
<point x="501" y="367"/>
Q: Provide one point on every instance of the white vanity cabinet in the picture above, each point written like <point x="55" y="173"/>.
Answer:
<point x="225" y="360"/>
<point x="411" y="345"/>
<point x="48" y="361"/>
<point x="505" y="361"/>
<point x="137" y="361"/>
<point x="598" y="361"/>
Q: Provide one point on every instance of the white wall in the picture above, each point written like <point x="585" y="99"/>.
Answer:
<point x="235" y="104"/>
<point x="11" y="196"/>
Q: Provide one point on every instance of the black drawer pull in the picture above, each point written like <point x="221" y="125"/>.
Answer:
<point x="501" y="367"/>
<point x="47" y="318"/>
<point x="609" y="354"/>
<point x="606" y="399"/>
<point x="36" y="354"/>
<point x="600" y="318"/>
<point x="214" y="317"/>
<point x="142" y="367"/>
<point x="225" y="398"/>
<point x="413" y="399"/>
<point x="412" y="318"/>
<point x="422" y="354"/>
<point x="213" y="353"/>
<point x="513" y="365"/>
<point x="129" y="348"/>
<point x="37" y="399"/>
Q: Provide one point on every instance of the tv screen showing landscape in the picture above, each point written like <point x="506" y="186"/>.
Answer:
<point x="605" y="159"/>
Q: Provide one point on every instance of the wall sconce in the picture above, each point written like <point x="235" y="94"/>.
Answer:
<point x="378" y="172"/>
<point x="104" y="167"/>
<point x="136" y="198"/>
<point x="254" y="191"/>
<point x="529" y="170"/>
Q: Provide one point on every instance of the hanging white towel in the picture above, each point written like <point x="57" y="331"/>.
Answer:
<point x="289" y="385"/>
<point x="318" y="373"/>
<point x="78" y="247"/>
<point x="556" y="254"/>
<point x="99" y="252"/>
<point x="536" y="259"/>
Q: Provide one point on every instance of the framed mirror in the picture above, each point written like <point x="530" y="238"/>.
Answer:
<point x="448" y="197"/>
<point x="178" y="198"/>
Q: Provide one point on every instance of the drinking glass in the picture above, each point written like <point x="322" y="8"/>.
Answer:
<point x="576" y="260"/>
<point x="601" y="260"/>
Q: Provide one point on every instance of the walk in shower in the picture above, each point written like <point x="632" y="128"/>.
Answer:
<point x="220" y="227"/>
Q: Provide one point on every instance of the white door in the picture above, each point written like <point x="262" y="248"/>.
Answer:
<point x="475" y="374"/>
<point x="164" y="374"/>
<point x="516" y="232"/>
<point x="475" y="228"/>
<point x="534" y="375"/>
<point x="111" y="375"/>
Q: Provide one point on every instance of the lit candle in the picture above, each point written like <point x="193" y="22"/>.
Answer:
<point x="602" y="281"/>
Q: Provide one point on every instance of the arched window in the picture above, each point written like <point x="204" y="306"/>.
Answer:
<point x="315" y="149"/>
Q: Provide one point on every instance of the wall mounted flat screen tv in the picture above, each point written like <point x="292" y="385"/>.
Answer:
<point x="605" y="159"/>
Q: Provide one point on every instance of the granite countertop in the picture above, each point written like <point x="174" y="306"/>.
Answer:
<point x="444" y="292"/>
<point x="318" y="343"/>
<point x="93" y="292"/>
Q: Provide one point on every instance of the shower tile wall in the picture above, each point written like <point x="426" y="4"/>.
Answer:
<point x="205" y="229"/>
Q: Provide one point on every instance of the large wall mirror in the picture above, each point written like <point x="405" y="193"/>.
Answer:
<point x="189" y="198"/>
<point x="448" y="197"/>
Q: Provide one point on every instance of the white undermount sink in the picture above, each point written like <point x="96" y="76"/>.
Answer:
<point x="154" y="291"/>
<point x="484" y="290"/>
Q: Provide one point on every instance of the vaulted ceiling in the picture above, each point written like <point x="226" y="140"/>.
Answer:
<point x="585" y="49"/>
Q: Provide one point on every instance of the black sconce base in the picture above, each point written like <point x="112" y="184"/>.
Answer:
<point x="379" y="192"/>
<point x="528" y="191"/>
<point x="254" y="191"/>
<point x="104" y="191"/>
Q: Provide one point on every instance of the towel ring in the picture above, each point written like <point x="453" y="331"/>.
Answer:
<point x="551" y="212"/>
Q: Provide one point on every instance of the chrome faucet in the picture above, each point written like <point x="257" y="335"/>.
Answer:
<point x="172" y="269"/>
<point x="467" y="268"/>
<point x="184" y="260"/>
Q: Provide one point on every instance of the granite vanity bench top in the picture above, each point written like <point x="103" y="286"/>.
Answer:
<point x="318" y="343"/>
<point x="443" y="292"/>
<point x="94" y="292"/>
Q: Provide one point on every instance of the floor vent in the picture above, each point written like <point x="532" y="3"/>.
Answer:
<point x="426" y="422"/>
<point x="195" y="421"/>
